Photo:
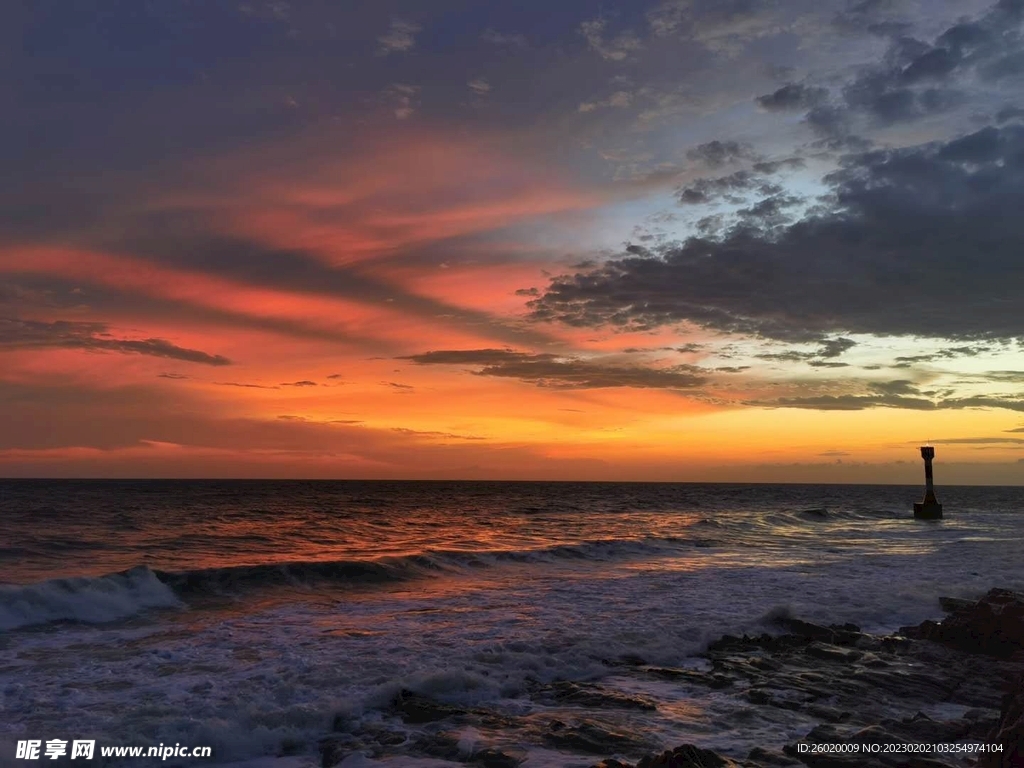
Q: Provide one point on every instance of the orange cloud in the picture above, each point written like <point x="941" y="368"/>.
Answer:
<point x="350" y="202"/>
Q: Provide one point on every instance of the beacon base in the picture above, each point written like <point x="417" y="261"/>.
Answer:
<point x="925" y="510"/>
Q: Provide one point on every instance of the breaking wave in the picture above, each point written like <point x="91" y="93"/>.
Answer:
<point x="118" y="596"/>
<point x="91" y="600"/>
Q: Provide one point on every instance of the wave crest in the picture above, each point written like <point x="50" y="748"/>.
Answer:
<point x="91" y="600"/>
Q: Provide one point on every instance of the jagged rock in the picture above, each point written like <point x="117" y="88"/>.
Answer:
<point x="766" y="757"/>
<point x="414" y="708"/>
<point x="715" y="680"/>
<point x="686" y="756"/>
<point x="923" y="729"/>
<point x="782" y="698"/>
<point x="862" y="689"/>
<point x="334" y="749"/>
<point x="588" y="736"/>
<point x="624" y="660"/>
<point x="875" y="734"/>
<point x="954" y="604"/>
<point x="829" y="652"/>
<point x="1009" y="733"/>
<point x="443" y="746"/>
<point x="828" y="714"/>
<point x="586" y="695"/>
<point x="993" y="625"/>
<point x="496" y="758"/>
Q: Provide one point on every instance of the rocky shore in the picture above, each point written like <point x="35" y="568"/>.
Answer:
<point x="869" y="695"/>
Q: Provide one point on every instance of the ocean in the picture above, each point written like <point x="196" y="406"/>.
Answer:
<point x="255" y="617"/>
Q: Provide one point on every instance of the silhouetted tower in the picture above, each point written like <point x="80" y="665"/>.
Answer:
<point x="929" y="509"/>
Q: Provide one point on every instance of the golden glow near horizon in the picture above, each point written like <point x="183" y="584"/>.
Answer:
<point x="301" y="287"/>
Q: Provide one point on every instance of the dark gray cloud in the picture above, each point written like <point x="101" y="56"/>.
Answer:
<point x="304" y="383"/>
<point x="829" y="348"/>
<point x="897" y="387"/>
<point x="775" y="166"/>
<point x="472" y="357"/>
<point x="917" y="78"/>
<point x="877" y="16"/>
<point x="741" y="187"/>
<point x="1009" y="402"/>
<point x="548" y="370"/>
<point x="846" y="402"/>
<point x="176" y="376"/>
<point x="923" y="241"/>
<point x="244" y="385"/>
<point x="715" y="154"/>
<point x="732" y="368"/>
<point x="877" y="95"/>
<point x="833" y="125"/>
<point x="860" y="402"/>
<point x="770" y="212"/>
<point x="1006" y="114"/>
<point x="16" y="333"/>
<point x="835" y="347"/>
<point x="1004" y="377"/>
<point x="914" y="79"/>
<point x="732" y="188"/>
<point x="793" y="97"/>
<point x="906" y="361"/>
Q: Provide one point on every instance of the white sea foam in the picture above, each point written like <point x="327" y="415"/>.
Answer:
<point x="92" y="600"/>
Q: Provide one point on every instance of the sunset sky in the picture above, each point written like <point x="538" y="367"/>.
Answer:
<point x="749" y="240"/>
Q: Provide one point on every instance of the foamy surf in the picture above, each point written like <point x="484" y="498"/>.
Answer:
<point x="89" y="600"/>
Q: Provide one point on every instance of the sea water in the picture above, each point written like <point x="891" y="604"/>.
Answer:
<point x="252" y="617"/>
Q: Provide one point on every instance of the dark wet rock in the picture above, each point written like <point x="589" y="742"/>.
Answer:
<point x="828" y="714"/>
<point x="590" y="737"/>
<point x="415" y="708"/>
<point x="1008" y="732"/>
<point x="799" y="633"/>
<point x="860" y="689"/>
<point x="713" y="680"/>
<point x="686" y="756"/>
<point x="875" y="734"/>
<point x="954" y="604"/>
<point x="922" y="729"/>
<point x="767" y="758"/>
<point x="334" y="749"/>
<point x="564" y="693"/>
<point x="779" y="697"/>
<point x="625" y="660"/>
<point x="832" y="652"/>
<point x="443" y="746"/>
<point x="993" y="625"/>
<point x="496" y="758"/>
